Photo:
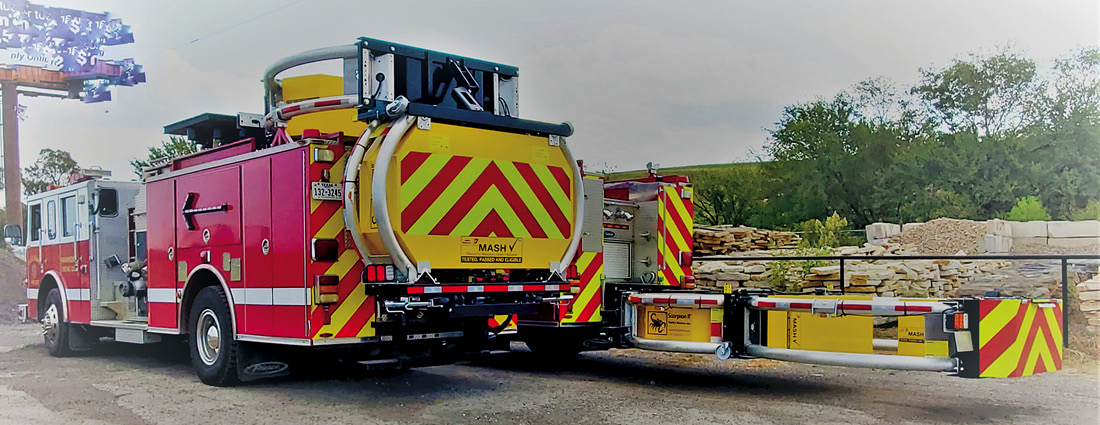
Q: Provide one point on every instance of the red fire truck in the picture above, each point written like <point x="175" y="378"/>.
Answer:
<point x="423" y="208"/>
<point x="400" y="212"/>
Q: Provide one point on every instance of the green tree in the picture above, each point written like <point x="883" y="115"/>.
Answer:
<point x="1089" y="212"/>
<point x="175" y="146"/>
<point x="1060" y="144"/>
<point x="983" y="95"/>
<point x="730" y="196"/>
<point x="818" y="234"/>
<point x="1028" y="208"/>
<point x="53" y="167"/>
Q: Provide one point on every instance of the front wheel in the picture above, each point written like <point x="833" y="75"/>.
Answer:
<point x="213" y="349"/>
<point x="55" y="331"/>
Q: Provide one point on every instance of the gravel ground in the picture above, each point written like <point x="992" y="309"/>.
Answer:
<point x="124" y="384"/>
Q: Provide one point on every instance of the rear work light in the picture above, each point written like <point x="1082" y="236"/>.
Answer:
<point x="685" y="258"/>
<point x="325" y="250"/>
<point x="328" y="289"/>
<point x="379" y="273"/>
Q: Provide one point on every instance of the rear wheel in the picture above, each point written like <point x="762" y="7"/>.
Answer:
<point x="213" y="349"/>
<point x="55" y="332"/>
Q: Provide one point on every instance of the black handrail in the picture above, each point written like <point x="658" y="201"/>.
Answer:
<point x="1063" y="258"/>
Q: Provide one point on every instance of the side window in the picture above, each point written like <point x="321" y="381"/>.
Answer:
<point x="35" y="222"/>
<point x="51" y="220"/>
<point x="68" y="216"/>
<point x="108" y="203"/>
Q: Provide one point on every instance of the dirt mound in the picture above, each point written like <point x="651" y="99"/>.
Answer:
<point x="12" y="293"/>
<point x="943" y="236"/>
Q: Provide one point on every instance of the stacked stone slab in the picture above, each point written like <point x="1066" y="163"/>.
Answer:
<point x="722" y="240"/>
<point x="1089" y="293"/>
<point x="886" y="278"/>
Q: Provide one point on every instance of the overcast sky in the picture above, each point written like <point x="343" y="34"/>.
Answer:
<point x="678" y="83"/>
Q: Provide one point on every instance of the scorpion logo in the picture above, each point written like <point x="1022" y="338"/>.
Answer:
<point x="658" y="322"/>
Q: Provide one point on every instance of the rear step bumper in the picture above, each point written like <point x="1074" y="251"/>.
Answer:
<point x="877" y="361"/>
<point x="673" y="346"/>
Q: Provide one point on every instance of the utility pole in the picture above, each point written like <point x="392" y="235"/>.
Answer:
<point x="13" y="204"/>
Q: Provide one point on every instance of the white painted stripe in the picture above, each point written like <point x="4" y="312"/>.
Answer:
<point x="515" y="288"/>
<point x="433" y="290"/>
<point x="32" y="293"/>
<point x="271" y="296"/>
<point x="475" y="289"/>
<point x="290" y="296"/>
<point x="161" y="295"/>
<point x="78" y="294"/>
<point x="255" y="296"/>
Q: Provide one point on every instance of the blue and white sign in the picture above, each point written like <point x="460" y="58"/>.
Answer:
<point x="55" y="38"/>
<point x="65" y="40"/>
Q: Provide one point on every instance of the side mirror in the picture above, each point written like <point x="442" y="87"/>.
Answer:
<point x="13" y="234"/>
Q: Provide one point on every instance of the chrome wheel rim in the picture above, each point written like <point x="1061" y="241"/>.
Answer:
<point x="50" y="323"/>
<point x="208" y="337"/>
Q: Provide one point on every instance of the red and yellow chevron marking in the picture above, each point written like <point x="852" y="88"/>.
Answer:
<point x="586" y="307"/>
<point x="501" y="318"/>
<point x="464" y="196"/>
<point x="675" y="222"/>
<point x="351" y="317"/>
<point x="1019" y="338"/>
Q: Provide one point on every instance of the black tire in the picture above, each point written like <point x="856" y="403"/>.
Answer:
<point x="55" y="333"/>
<point x="215" y="362"/>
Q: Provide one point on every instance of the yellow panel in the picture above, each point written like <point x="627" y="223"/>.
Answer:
<point x="315" y="86"/>
<point x="911" y="336"/>
<point x="675" y="323"/>
<point x="480" y="150"/>
<point x="777" y="329"/>
<point x="805" y="331"/>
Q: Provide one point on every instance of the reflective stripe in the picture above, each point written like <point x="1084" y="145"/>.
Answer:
<point x="290" y="296"/>
<point x="32" y="293"/>
<point x="485" y="288"/>
<point x="271" y="296"/>
<point x="161" y="295"/>
<point x="78" y="294"/>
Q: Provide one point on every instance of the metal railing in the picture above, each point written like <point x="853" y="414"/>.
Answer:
<point x="1063" y="258"/>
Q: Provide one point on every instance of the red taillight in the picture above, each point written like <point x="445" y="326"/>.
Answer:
<point x="379" y="273"/>
<point x="959" y="321"/>
<point x="689" y="282"/>
<point x="571" y="272"/>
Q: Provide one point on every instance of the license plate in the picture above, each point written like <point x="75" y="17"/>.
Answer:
<point x="323" y="191"/>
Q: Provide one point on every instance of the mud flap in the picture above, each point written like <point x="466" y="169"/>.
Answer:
<point x="1012" y="337"/>
<point x="81" y="338"/>
<point x="261" y="361"/>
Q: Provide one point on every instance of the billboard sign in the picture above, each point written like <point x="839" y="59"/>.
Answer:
<point x="55" y="38"/>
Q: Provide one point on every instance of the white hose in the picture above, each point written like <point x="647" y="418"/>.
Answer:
<point x="378" y="195"/>
<point x="578" y="188"/>
<point x="351" y="183"/>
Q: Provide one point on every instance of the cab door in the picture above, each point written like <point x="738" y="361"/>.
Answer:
<point x="73" y="249"/>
